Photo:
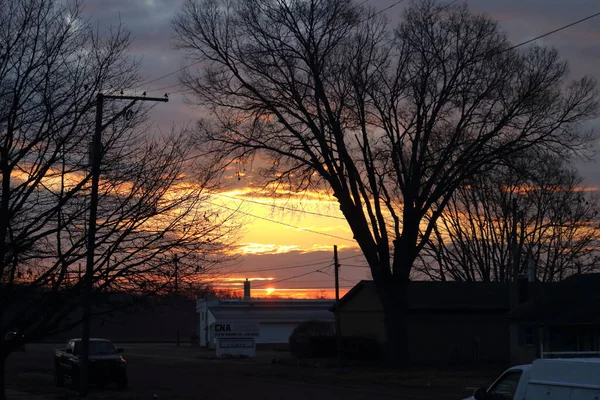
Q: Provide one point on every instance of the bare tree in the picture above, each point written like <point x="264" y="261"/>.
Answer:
<point x="52" y="65"/>
<point x="391" y="122"/>
<point x="556" y="227"/>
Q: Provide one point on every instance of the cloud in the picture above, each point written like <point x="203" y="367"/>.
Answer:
<point x="267" y="243"/>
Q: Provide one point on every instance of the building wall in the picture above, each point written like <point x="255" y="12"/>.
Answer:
<point x="275" y="333"/>
<point x="277" y="319"/>
<point x="458" y="337"/>
<point x="151" y="323"/>
<point x="439" y="337"/>
<point x="523" y="350"/>
<point x="367" y="324"/>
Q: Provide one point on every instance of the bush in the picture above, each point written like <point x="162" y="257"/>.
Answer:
<point x="322" y="346"/>
<point x="362" y="349"/>
<point x="309" y="338"/>
<point x="316" y="339"/>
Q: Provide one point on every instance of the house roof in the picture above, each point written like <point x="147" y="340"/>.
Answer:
<point x="271" y="310"/>
<point x="270" y="314"/>
<point x="429" y="295"/>
<point x="576" y="300"/>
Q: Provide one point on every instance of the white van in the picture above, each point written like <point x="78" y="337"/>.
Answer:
<point x="547" y="379"/>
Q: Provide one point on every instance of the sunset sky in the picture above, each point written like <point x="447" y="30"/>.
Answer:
<point x="282" y="260"/>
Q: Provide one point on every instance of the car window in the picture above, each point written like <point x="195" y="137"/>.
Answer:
<point x="102" y="348"/>
<point x="70" y="345"/>
<point x="97" y="348"/>
<point x="506" y="386"/>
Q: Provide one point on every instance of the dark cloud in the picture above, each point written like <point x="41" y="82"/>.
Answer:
<point x="149" y="22"/>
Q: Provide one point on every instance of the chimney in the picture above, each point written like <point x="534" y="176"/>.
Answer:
<point x="531" y="270"/>
<point x="247" y="290"/>
<point x="524" y="282"/>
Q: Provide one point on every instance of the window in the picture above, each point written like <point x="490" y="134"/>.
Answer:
<point x="529" y="336"/>
<point x="506" y="386"/>
<point x="97" y="348"/>
<point x="70" y="346"/>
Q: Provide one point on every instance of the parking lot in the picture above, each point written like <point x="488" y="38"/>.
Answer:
<point x="191" y="373"/>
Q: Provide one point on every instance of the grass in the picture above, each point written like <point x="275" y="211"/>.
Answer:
<point x="449" y="378"/>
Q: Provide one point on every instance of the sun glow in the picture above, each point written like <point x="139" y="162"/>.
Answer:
<point x="269" y="291"/>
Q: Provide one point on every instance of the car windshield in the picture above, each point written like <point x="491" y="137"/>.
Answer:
<point x="97" y="348"/>
<point x="506" y="387"/>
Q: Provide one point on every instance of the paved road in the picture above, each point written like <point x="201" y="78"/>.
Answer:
<point x="179" y="374"/>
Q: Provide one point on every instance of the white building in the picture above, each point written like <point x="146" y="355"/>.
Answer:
<point x="277" y="317"/>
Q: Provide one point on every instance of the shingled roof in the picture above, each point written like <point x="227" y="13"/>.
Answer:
<point x="428" y="295"/>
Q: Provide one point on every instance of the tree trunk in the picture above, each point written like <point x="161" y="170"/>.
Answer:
<point x="395" y="307"/>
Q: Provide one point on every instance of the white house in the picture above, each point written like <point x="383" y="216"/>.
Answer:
<point x="277" y="317"/>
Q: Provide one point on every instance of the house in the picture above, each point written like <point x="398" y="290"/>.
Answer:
<point x="157" y="319"/>
<point x="561" y="319"/>
<point x="447" y="322"/>
<point x="277" y="318"/>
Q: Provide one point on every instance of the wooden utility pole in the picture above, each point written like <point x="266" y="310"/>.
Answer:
<point x="338" y="327"/>
<point x="96" y="159"/>
<point x="176" y="266"/>
<point x="514" y="256"/>
<point x="512" y="273"/>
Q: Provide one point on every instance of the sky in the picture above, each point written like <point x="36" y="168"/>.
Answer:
<point x="290" y="254"/>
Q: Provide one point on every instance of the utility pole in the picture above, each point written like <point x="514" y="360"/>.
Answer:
<point x="96" y="156"/>
<point x="338" y="327"/>
<point x="514" y="242"/>
<point x="175" y="264"/>
<point x="512" y="272"/>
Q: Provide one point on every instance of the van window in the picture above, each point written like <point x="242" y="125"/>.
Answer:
<point x="70" y="346"/>
<point x="506" y="386"/>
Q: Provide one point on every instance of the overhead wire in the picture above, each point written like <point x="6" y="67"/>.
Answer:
<point x="292" y="277"/>
<point x="372" y="16"/>
<point x="339" y="277"/>
<point x="287" y="267"/>
<point x="281" y="223"/>
<point x="355" y="266"/>
<point x="281" y="207"/>
<point x="294" y="266"/>
<point x="382" y="10"/>
<point x="379" y="12"/>
<point x="144" y="83"/>
<point x="552" y="32"/>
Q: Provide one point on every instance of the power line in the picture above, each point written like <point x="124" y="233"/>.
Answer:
<point x="383" y="10"/>
<point x="292" y="266"/>
<point x="340" y="278"/>
<point x="552" y="32"/>
<point x="282" y="223"/>
<point x="286" y="267"/>
<point x="372" y="16"/>
<point x="449" y="4"/>
<point x="324" y="287"/>
<point x="165" y="87"/>
<point x="167" y="75"/>
<point x="290" y="278"/>
<point x="281" y="207"/>
<point x="355" y="266"/>
<point x="198" y="62"/>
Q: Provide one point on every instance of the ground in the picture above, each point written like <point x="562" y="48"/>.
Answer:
<point x="182" y="373"/>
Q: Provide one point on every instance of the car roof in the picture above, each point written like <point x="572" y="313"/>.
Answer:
<point x="91" y="340"/>
<point x="523" y="367"/>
